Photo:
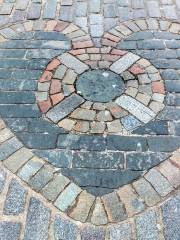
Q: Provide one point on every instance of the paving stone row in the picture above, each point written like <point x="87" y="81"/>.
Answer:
<point x="94" y="16"/>
<point x="35" y="218"/>
<point x="80" y="205"/>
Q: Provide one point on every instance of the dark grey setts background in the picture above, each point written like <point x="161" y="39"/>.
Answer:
<point x="95" y="163"/>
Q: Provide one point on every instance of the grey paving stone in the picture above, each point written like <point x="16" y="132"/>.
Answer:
<point x="120" y="232"/>
<point x="2" y="179"/>
<point x="41" y="178"/>
<point x="6" y="8"/>
<point x="64" y="229"/>
<point x="67" y="197"/>
<point x="66" y="13"/>
<point x="93" y="233"/>
<point x="76" y="142"/>
<point x="98" y="160"/>
<point x="19" y="110"/>
<point x="15" y="199"/>
<point x="172" y="99"/>
<point x="95" y="6"/>
<point x="65" y="107"/>
<point x="73" y="63"/>
<point x="146" y="192"/>
<point x="99" y="216"/>
<point x="146" y="226"/>
<point x="10" y="230"/>
<point x="136" y="108"/>
<point x="109" y="10"/>
<point x="81" y="211"/>
<point x="115" y="211"/>
<point x="38" y="140"/>
<point x="161" y="185"/>
<point x="130" y="122"/>
<point x="53" y="188"/>
<point x="166" y="144"/>
<point x="101" y="90"/>
<point x="30" y="168"/>
<point x="153" y="128"/>
<point x="17" y="98"/>
<point x="153" y="9"/>
<point x="81" y="9"/>
<point x="124" y="63"/>
<point x="58" y="158"/>
<point x="170" y="74"/>
<point x="37" y="222"/>
<point x="171" y="220"/>
<point x="95" y="180"/>
<point x="144" y="161"/>
<point x="22" y="4"/>
<point x="126" y="143"/>
<point x="34" y="11"/>
<point x="50" y="9"/>
<point x="9" y="147"/>
<point x="166" y="63"/>
<point x="172" y="86"/>
<point x="170" y="113"/>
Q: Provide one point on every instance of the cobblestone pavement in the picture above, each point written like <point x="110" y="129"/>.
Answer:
<point x="90" y="119"/>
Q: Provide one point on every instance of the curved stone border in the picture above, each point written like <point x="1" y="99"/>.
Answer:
<point x="123" y="30"/>
<point x="56" y="89"/>
<point x="125" y="202"/>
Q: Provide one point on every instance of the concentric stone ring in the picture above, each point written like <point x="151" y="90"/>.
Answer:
<point x="118" y="94"/>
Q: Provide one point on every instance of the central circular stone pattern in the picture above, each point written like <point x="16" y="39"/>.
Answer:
<point x="100" y="85"/>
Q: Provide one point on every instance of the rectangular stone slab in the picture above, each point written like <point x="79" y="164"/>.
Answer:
<point x="73" y="63"/>
<point x="124" y="63"/>
<point x="64" y="108"/>
<point x="136" y="108"/>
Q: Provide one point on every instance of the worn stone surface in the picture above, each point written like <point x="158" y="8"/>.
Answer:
<point x="120" y="231"/>
<point x="15" y="200"/>
<point x="67" y="197"/>
<point x="37" y="223"/>
<point x="65" y="107"/>
<point x="9" y="230"/>
<point x="95" y="85"/>
<point x="146" y="226"/>
<point x="64" y="229"/>
<point x="141" y="112"/>
<point x="170" y="212"/>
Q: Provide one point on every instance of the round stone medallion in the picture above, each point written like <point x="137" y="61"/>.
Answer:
<point x="100" y="85"/>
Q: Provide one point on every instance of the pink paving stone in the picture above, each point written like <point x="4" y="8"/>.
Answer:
<point x="84" y="44"/>
<point x="53" y="65"/>
<point x="136" y="69"/>
<point x="93" y="50"/>
<point x="111" y="37"/>
<point x="118" y="52"/>
<point x="93" y="64"/>
<point x="44" y="105"/>
<point x="106" y="42"/>
<point x="158" y="87"/>
<point x="175" y="159"/>
<point x="61" y="26"/>
<point x="110" y="57"/>
<point x="56" y="98"/>
<point x="2" y="124"/>
<point x="55" y="86"/>
<point x="46" y="76"/>
<point x="51" y="25"/>
<point x="171" y="172"/>
<point x="77" y="52"/>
